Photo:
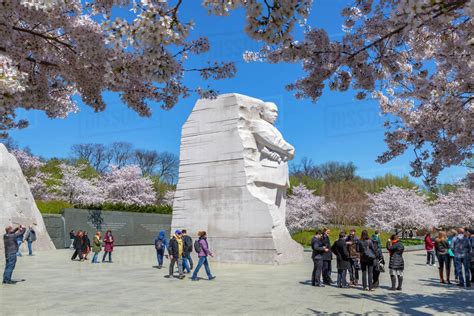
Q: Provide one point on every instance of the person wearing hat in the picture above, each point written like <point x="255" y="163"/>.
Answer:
<point x="175" y="251"/>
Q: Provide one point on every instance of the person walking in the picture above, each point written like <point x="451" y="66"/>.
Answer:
<point x="461" y="246"/>
<point x="202" y="248"/>
<point x="78" y="246"/>
<point x="30" y="238"/>
<point x="72" y="237"/>
<point x="161" y="244"/>
<point x="10" y="244"/>
<point x="367" y="260"/>
<point x="471" y="232"/>
<point x="96" y="247"/>
<point x="396" y="264"/>
<point x="327" y="258"/>
<point x="379" y="260"/>
<point x="429" y="247"/>
<point x="188" y="248"/>
<point x="339" y="248"/>
<point x="175" y="251"/>
<point x="442" y="253"/>
<point x="86" y="245"/>
<point x="109" y="245"/>
<point x="354" y="260"/>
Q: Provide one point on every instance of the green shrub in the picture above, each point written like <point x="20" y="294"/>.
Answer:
<point x="304" y="238"/>
<point x="52" y="207"/>
<point x="412" y="242"/>
<point x="157" y="209"/>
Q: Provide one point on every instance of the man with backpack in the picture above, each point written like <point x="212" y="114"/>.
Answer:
<point x="161" y="243"/>
<point x="175" y="250"/>
<point x="30" y="237"/>
<point x="188" y="248"/>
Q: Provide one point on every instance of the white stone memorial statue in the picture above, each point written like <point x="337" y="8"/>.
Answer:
<point x="233" y="178"/>
<point x="17" y="205"/>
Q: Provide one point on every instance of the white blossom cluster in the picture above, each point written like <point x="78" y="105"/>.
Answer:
<point x="305" y="210"/>
<point x="53" y="50"/>
<point x="400" y="208"/>
<point x="415" y="57"/>
<point x="456" y="209"/>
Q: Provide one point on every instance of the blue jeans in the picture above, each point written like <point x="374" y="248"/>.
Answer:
<point x="458" y="264"/>
<point x="94" y="257"/>
<point x="19" y="245"/>
<point x="159" y="256"/>
<point x="187" y="262"/>
<point x="202" y="260"/>
<point x="9" y="266"/>
<point x="341" y="277"/>
<point x="30" y="250"/>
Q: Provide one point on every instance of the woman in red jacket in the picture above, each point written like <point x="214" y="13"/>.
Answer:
<point x="429" y="247"/>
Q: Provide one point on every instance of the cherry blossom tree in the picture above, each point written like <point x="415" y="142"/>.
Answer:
<point x="413" y="56"/>
<point x="396" y="207"/>
<point x="76" y="189"/>
<point x="127" y="186"/>
<point x="305" y="210"/>
<point x="31" y="168"/>
<point x="51" y="51"/>
<point x="456" y="209"/>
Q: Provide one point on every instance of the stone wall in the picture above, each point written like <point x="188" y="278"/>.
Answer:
<point x="128" y="228"/>
<point x="56" y="230"/>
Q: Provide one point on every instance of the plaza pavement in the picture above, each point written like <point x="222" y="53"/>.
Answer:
<point x="54" y="285"/>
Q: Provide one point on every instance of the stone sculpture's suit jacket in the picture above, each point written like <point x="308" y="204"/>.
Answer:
<point x="267" y="136"/>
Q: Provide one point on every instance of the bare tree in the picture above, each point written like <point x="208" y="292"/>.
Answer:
<point x="121" y="153"/>
<point x="168" y="165"/>
<point x="9" y="143"/>
<point x="147" y="160"/>
<point x="97" y="155"/>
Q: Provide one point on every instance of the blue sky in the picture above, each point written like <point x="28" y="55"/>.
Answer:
<point x="336" y="128"/>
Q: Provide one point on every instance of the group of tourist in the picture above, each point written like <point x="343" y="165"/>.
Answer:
<point x="12" y="240"/>
<point x="82" y="245"/>
<point x="356" y="255"/>
<point x="456" y="246"/>
<point x="179" y="248"/>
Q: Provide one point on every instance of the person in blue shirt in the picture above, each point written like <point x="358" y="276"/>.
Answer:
<point x="161" y="244"/>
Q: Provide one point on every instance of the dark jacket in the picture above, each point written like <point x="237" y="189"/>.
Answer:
<point x="378" y="250"/>
<point x="30" y="235"/>
<point x="78" y="243"/>
<point x="86" y="244"/>
<point x="396" y="255"/>
<point x="318" y="248"/>
<point x="10" y="241"/>
<point x="441" y="247"/>
<point x="327" y="243"/>
<point x="353" y="247"/>
<point x="339" y="248"/>
<point x="187" y="245"/>
<point x="173" y="247"/>
<point x="364" y="247"/>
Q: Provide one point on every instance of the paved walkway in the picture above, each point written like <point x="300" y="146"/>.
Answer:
<point x="56" y="286"/>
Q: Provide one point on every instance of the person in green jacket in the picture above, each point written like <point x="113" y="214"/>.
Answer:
<point x="376" y="237"/>
<point x="96" y="247"/>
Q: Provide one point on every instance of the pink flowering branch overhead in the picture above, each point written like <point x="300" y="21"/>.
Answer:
<point x="414" y="57"/>
<point x="51" y="51"/>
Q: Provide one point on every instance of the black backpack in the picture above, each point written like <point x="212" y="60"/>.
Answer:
<point x="197" y="246"/>
<point x="159" y="244"/>
<point x="368" y="252"/>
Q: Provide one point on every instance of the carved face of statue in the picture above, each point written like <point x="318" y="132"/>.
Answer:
<point x="269" y="112"/>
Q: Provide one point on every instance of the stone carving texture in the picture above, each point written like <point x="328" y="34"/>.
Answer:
<point x="17" y="205"/>
<point x="233" y="178"/>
